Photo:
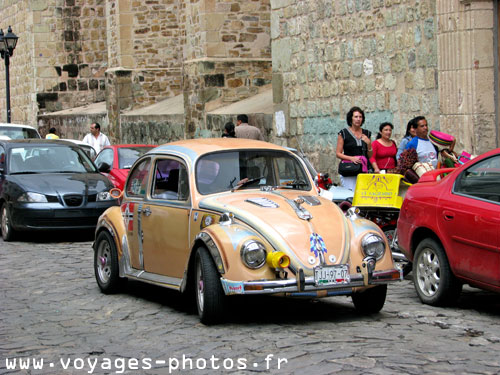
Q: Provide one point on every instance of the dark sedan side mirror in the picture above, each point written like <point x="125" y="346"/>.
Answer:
<point x="104" y="168"/>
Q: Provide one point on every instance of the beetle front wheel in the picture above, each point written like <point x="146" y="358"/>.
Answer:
<point x="210" y="298"/>
<point x="371" y="300"/>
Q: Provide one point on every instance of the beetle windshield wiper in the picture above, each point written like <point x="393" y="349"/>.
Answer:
<point x="292" y="184"/>
<point x="246" y="182"/>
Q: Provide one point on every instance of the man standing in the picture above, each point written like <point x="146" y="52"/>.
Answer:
<point x="95" y="138"/>
<point x="426" y="151"/>
<point x="52" y="134"/>
<point x="243" y="130"/>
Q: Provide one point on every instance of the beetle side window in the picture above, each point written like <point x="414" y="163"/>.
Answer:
<point x="138" y="179"/>
<point x="481" y="180"/>
<point x="170" y="180"/>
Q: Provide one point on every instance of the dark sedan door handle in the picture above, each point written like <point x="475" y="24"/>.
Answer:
<point x="147" y="211"/>
<point x="448" y="215"/>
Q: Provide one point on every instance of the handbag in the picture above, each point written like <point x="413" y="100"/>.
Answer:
<point x="348" y="169"/>
<point x="411" y="176"/>
<point x="420" y="168"/>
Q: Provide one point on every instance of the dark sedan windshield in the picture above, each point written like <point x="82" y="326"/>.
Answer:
<point x="224" y="171"/>
<point x="49" y="159"/>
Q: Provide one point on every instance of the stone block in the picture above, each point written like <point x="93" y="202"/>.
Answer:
<point x="484" y="89"/>
<point x="212" y="21"/>
<point x="38" y="5"/>
<point x="216" y="50"/>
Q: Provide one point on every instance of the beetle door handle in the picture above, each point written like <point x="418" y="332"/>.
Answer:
<point x="448" y="215"/>
<point x="146" y="211"/>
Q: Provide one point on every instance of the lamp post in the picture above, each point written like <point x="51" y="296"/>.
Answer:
<point x="7" y="45"/>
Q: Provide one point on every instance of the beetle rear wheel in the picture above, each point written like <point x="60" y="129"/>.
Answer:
<point x="371" y="300"/>
<point x="106" y="264"/>
<point x="210" y="298"/>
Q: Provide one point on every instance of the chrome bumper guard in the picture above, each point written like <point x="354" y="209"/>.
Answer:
<point x="307" y="284"/>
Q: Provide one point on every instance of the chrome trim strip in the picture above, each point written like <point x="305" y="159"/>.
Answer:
<point x="124" y="261"/>
<point x="291" y="285"/>
<point x="212" y="248"/>
<point x="153" y="278"/>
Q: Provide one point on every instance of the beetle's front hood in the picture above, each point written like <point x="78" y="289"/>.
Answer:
<point x="323" y="238"/>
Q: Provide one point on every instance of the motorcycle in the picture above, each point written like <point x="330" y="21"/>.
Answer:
<point x="378" y="198"/>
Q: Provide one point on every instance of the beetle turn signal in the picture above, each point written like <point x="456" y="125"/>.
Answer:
<point x="278" y="260"/>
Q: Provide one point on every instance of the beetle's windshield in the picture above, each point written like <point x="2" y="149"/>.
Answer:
<point x="245" y="169"/>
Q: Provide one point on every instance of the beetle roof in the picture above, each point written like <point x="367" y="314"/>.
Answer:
<point x="202" y="146"/>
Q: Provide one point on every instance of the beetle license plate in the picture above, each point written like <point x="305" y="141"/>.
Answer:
<point x="332" y="275"/>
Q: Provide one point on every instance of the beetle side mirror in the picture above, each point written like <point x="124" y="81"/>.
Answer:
<point x="104" y="168"/>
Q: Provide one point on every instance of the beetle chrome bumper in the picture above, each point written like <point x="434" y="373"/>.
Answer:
<point x="306" y="286"/>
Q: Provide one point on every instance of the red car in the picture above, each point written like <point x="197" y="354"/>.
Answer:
<point x="450" y="229"/>
<point x="115" y="161"/>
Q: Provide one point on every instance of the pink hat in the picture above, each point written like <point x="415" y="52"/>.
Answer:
<point x="441" y="139"/>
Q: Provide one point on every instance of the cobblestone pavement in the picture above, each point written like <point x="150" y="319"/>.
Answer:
<point x="52" y="310"/>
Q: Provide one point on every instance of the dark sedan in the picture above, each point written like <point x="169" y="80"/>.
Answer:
<point x="49" y="185"/>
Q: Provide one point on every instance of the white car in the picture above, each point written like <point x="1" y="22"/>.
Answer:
<point x="89" y="150"/>
<point x="16" y="131"/>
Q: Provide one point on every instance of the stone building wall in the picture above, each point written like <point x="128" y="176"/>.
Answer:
<point x="60" y="58"/>
<point x="328" y="56"/>
<point x="227" y="56"/>
<point x="16" y="14"/>
<point x="468" y="72"/>
<point x="69" y="53"/>
<point x="145" y="55"/>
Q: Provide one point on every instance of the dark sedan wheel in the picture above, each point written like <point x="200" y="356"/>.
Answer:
<point x="106" y="264"/>
<point x="371" y="300"/>
<point x="432" y="276"/>
<point x="210" y="298"/>
<point x="8" y="233"/>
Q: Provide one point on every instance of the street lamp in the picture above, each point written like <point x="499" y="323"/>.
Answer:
<point x="7" y="45"/>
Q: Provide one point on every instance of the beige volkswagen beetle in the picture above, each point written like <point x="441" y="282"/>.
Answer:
<point x="220" y="217"/>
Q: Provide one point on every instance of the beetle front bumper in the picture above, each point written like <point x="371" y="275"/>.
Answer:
<point x="306" y="286"/>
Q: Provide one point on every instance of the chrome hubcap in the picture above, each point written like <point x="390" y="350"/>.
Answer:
<point x="428" y="273"/>
<point x="200" y="290"/>
<point x="104" y="262"/>
<point x="5" y="222"/>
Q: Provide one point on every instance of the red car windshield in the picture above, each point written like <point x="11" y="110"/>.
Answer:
<point x="127" y="156"/>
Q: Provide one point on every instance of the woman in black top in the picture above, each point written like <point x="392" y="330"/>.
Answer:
<point x="229" y="131"/>
<point x="354" y="145"/>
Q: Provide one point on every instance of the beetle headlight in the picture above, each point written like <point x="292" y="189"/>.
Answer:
<point x="32" y="198"/>
<point x="373" y="246"/>
<point x="253" y="254"/>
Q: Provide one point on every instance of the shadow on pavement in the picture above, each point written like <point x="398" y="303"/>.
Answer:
<point x="256" y="309"/>
<point x="56" y="236"/>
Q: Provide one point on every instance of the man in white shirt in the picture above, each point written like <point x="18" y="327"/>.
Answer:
<point x="421" y="143"/>
<point x="95" y="138"/>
